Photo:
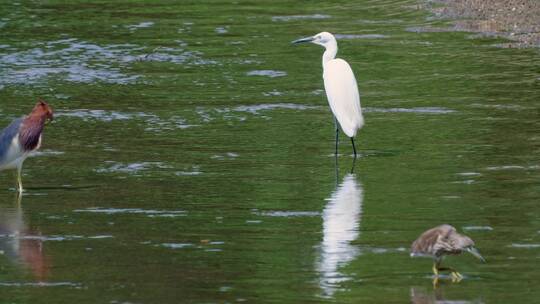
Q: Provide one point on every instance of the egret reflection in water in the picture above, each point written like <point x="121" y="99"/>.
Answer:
<point x="341" y="221"/>
<point x="16" y="242"/>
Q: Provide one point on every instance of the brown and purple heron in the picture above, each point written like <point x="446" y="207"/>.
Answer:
<point x="21" y="137"/>
<point x="440" y="241"/>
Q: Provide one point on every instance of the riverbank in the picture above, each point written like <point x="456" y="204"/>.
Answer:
<point x="517" y="20"/>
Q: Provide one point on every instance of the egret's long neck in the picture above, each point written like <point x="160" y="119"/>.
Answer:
<point x="330" y="53"/>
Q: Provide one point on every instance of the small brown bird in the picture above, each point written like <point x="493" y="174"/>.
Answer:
<point x="22" y="136"/>
<point x="440" y="241"/>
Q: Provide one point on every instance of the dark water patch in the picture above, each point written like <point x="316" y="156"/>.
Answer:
<point x="56" y="238"/>
<point x="74" y="60"/>
<point x="176" y="245"/>
<point x="478" y="228"/>
<point x="207" y="115"/>
<point x="40" y="284"/>
<point x="430" y="29"/>
<point x="469" y="174"/>
<point x="255" y="109"/>
<point x="513" y="167"/>
<point x="228" y="155"/>
<point x="47" y="152"/>
<point x="360" y="36"/>
<point x="102" y="115"/>
<point x="513" y="107"/>
<point x="152" y="122"/>
<point x="382" y="21"/>
<point x="147" y="212"/>
<point x="194" y="170"/>
<point x="267" y="73"/>
<point x="301" y="17"/>
<point x="272" y="93"/>
<point x="177" y="56"/>
<point x="525" y="246"/>
<point x="466" y="182"/>
<point x="132" y="168"/>
<point x="419" y="110"/>
<point x="145" y="24"/>
<point x="158" y="124"/>
<point x="222" y="29"/>
<point x="277" y="213"/>
<point x="380" y="250"/>
<point x="81" y="61"/>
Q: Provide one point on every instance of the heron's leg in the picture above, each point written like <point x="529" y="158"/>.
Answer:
<point x="19" y="179"/>
<point x="436" y="268"/>
<point x="436" y="274"/>
<point x="435" y="281"/>
<point x="353" y="147"/>
<point x="337" y="134"/>
<point x="19" y="199"/>
<point x="456" y="276"/>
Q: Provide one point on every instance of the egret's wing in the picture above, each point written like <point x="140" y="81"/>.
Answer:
<point x="343" y="97"/>
<point x="10" y="149"/>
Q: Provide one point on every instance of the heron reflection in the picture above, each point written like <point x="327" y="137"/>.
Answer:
<point x="423" y="296"/>
<point x="341" y="221"/>
<point x="17" y="242"/>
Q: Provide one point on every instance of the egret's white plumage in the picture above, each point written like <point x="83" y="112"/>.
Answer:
<point x="343" y="97"/>
<point x="340" y="86"/>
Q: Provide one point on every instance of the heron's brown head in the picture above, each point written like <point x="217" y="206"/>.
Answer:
<point x="465" y="242"/>
<point x="42" y="109"/>
<point x="468" y="245"/>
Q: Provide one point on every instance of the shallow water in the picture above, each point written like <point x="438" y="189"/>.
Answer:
<point x="191" y="158"/>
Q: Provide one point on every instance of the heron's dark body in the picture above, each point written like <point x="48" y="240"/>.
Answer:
<point x="7" y="135"/>
<point x="28" y="130"/>
<point x="22" y="136"/>
<point x="439" y="241"/>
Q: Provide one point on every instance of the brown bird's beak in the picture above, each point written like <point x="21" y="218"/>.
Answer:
<point x="475" y="252"/>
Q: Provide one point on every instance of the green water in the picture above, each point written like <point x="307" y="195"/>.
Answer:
<point x="191" y="157"/>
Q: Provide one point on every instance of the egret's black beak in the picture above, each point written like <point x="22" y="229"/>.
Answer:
<point x="307" y="39"/>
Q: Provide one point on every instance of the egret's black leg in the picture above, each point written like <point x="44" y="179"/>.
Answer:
<point x="354" y="148"/>
<point x="337" y="135"/>
<point x="337" y="169"/>
<point x="353" y="163"/>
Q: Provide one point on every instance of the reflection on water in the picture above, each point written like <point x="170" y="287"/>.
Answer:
<point x="76" y="60"/>
<point x="341" y="221"/>
<point x="423" y="296"/>
<point x="17" y="244"/>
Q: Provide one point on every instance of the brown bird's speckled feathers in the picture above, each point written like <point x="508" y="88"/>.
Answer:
<point x="32" y="126"/>
<point x="439" y="241"/>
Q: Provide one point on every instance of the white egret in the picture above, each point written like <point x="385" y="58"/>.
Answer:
<point x="340" y="86"/>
